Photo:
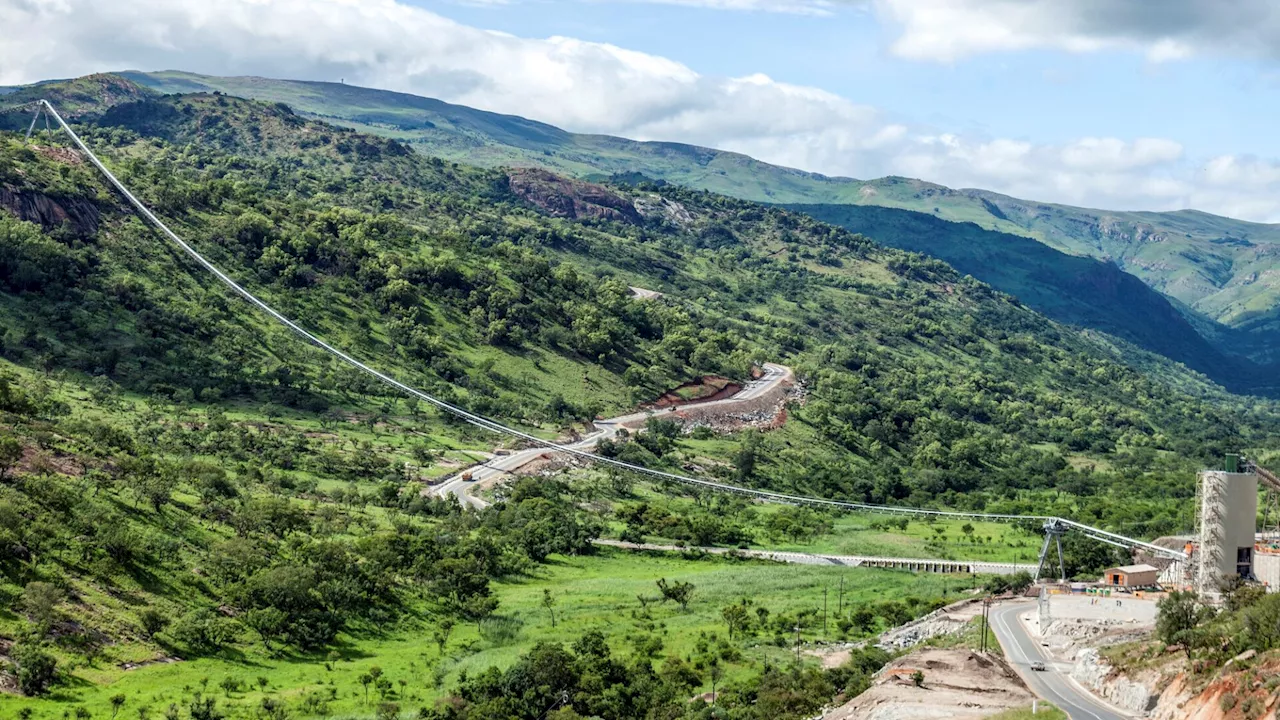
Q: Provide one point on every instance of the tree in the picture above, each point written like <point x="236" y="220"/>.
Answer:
<point x="736" y="618"/>
<point x="863" y="619"/>
<point x="1181" y="614"/>
<point x="967" y="529"/>
<point x="1238" y="593"/>
<point x="117" y="702"/>
<point x="479" y="607"/>
<point x="917" y="678"/>
<point x="273" y="709"/>
<point x="365" y="679"/>
<point x="746" y="457"/>
<point x="680" y="592"/>
<point x="441" y="634"/>
<point x="40" y="600"/>
<point x="10" y="454"/>
<point x="548" y="602"/>
<point x="37" y="669"/>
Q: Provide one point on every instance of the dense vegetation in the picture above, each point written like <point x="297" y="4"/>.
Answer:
<point x="1206" y="263"/>
<point x="179" y="476"/>
<point x="1069" y="288"/>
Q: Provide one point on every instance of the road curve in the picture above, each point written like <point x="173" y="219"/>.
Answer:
<point x="1052" y="684"/>
<point x="773" y="375"/>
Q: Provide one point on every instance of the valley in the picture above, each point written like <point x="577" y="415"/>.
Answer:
<point x="194" y="495"/>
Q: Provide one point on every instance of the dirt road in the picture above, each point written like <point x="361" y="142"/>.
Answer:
<point x="495" y="469"/>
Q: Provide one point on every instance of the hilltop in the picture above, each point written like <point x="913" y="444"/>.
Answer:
<point x="1219" y="271"/>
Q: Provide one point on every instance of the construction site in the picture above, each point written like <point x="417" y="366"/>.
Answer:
<point x="1229" y="540"/>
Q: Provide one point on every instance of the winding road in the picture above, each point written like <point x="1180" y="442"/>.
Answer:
<point x="773" y="375"/>
<point x="1053" y="683"/>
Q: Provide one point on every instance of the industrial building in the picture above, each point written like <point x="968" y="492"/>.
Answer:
<point x="1228" y="509"/>
<point x="1132" y="576"/>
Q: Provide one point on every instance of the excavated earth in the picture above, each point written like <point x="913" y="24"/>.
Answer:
<point x="958" y="684"/>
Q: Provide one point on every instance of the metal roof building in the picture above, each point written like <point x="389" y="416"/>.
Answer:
<point x="1131" y="576"/>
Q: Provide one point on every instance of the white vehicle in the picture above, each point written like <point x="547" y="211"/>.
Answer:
<point x="1037" y="666"/>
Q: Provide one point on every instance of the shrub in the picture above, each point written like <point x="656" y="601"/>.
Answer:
<point x="1227" y="701"/>
<point x="37" y="669"/>
<point x="202" y="631"/>
<point x="153" y="621"/>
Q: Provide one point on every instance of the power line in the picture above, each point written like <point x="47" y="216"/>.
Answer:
<point x="494" y="426"/>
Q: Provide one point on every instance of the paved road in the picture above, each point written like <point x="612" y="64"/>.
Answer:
<point x="1052" y="684"/>
<point x="921" y="564"/>
<point x="492" y="470"/>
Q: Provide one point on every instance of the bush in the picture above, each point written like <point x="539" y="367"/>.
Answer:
<point x="202" y="631"/>
<point x="1227" y="702"/>
<point x="37" y="669"/>
<point x="153" y="622"/>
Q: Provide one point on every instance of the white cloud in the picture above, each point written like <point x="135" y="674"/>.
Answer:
<point x="947" y="30"/>
<point x="798" y="7"/>
<point x="593" y="87"/>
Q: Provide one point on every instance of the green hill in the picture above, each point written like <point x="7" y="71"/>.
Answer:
<point x="189" y="495"/>
<point x="1217" y="267"/>
<point x="1069" y="288"/>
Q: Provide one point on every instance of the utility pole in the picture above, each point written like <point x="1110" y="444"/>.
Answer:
<point x="797" y="629"/>
<point x="986" y="621"/>
<point x="840" y="602"/>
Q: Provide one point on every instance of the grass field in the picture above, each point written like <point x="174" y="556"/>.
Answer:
<point x="858" y="533"/>
<point x="592" y="593"/>
<point x="855" y="534"/>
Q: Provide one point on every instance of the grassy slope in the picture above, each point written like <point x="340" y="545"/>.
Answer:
<point x="1221" y="267"/>
<point x="594" y="593"/>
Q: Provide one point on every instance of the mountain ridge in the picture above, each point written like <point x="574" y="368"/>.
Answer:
<point x="1158" y="330"/>
<point x="1179" y="253"/>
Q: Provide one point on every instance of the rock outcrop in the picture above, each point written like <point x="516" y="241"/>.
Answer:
<point x="1096" y="674"/>
<point x="77" y="213"/>
<point x="562" y="197"/>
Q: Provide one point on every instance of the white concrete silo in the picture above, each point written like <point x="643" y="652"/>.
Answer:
<point x="1228" y="520"/>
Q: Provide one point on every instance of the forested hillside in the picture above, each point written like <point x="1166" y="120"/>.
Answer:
<point x="1069" y="288"/>
<point x="1221" y="270"/>
<point x="180" y="478"/>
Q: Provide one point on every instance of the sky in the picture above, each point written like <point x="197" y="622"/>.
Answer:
<point x="1115" y="104"/>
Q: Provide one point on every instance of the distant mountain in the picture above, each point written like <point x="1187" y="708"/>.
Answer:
<point x="1068" y="288"/>
<point x="1222" y="269"/>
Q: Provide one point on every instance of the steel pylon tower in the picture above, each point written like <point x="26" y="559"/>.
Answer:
<point x="1054" y="529"/>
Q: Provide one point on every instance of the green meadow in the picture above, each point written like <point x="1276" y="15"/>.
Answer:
<point x="590" y="593"/>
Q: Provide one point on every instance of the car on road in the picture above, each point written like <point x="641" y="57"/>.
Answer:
<point x="1037" y="666"/>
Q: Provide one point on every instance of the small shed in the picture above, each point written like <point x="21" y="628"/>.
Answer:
<point x="1131" y="576"/>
